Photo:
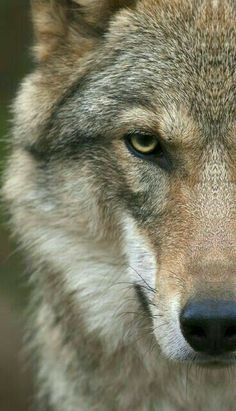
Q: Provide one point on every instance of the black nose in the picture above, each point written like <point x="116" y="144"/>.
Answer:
<point x="210" y="326"/>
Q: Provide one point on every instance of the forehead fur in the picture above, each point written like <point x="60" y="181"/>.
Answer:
<point x="158" y="52"/>
<point x="199" y="50"/>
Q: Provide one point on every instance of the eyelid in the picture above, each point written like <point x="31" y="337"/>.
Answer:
<point x="145" y="132"/>
<point x="162" y="158"/>
<point x="143" y="144"/>
<point x="131" y="145"/>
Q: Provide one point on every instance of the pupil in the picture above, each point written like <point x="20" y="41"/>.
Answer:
<point x="145" y="141"/>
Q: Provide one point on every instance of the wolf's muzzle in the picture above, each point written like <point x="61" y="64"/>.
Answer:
<point x="210" y="326"/>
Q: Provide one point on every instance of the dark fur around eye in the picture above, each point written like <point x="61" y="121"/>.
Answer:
<point x="157" y="154"/>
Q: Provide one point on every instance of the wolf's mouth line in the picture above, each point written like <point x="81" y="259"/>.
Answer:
<point x="214" y="365"/>
<point x="205" y="361"/>
<point x="197" y="359"/>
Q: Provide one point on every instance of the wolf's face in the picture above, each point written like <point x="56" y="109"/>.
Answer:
<point x="126" y="144"/>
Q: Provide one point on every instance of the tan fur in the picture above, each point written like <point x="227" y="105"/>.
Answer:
<point x="57" y="27"/>
<point x="117" y="244"/>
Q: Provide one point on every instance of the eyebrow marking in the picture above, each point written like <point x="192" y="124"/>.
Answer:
<point x="173" y="124"/>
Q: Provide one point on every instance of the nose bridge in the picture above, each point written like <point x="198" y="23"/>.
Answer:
<point x="216" y="184"/>
<point x="211" y="251"/>
<point x="215" y="202"/>
<point x="213" y="277"/>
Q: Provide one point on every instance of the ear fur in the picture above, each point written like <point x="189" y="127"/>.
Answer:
<point x="70" y="23"/>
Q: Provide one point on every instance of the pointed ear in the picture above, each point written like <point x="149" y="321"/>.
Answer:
<point x="71" y="23"/>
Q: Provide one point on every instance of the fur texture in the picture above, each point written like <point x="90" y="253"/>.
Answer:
<point x="118" y="244"/>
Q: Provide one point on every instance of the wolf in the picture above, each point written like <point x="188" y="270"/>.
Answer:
<point x="121" y="191"/>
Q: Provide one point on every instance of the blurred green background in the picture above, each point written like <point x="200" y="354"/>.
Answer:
<point x="15" y="62"/>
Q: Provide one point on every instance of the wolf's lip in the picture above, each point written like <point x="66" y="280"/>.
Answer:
<point x="215" y="362"/>
<point x="210" y="362"/>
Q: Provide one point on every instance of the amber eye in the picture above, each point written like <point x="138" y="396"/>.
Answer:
<point x="144" y="145"/>
<point x="148" y="147"/>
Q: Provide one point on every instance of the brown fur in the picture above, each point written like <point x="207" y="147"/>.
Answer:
<point x="74" y="23"/>
<point x="119" y="244"/>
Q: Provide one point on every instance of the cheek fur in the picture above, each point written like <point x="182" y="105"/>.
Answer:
<point x="142" y="263"/>
<point x="143" y="271"/>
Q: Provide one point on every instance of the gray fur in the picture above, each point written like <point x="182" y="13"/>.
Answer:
<point x="85" y="209"/>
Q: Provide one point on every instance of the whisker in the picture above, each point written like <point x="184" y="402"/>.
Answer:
<point x="145" y="282"/>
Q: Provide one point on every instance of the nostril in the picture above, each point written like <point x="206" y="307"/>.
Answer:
<point x="196" y="332"/>
<point x="210" y="326"/>
<point x="230" y="332"/>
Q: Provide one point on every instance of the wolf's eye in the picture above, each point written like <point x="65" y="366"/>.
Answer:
<point x="144" y="144"/>
<point x="147" y="147"/>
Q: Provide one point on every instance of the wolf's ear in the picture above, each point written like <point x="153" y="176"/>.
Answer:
<point x="66" y="23"/>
